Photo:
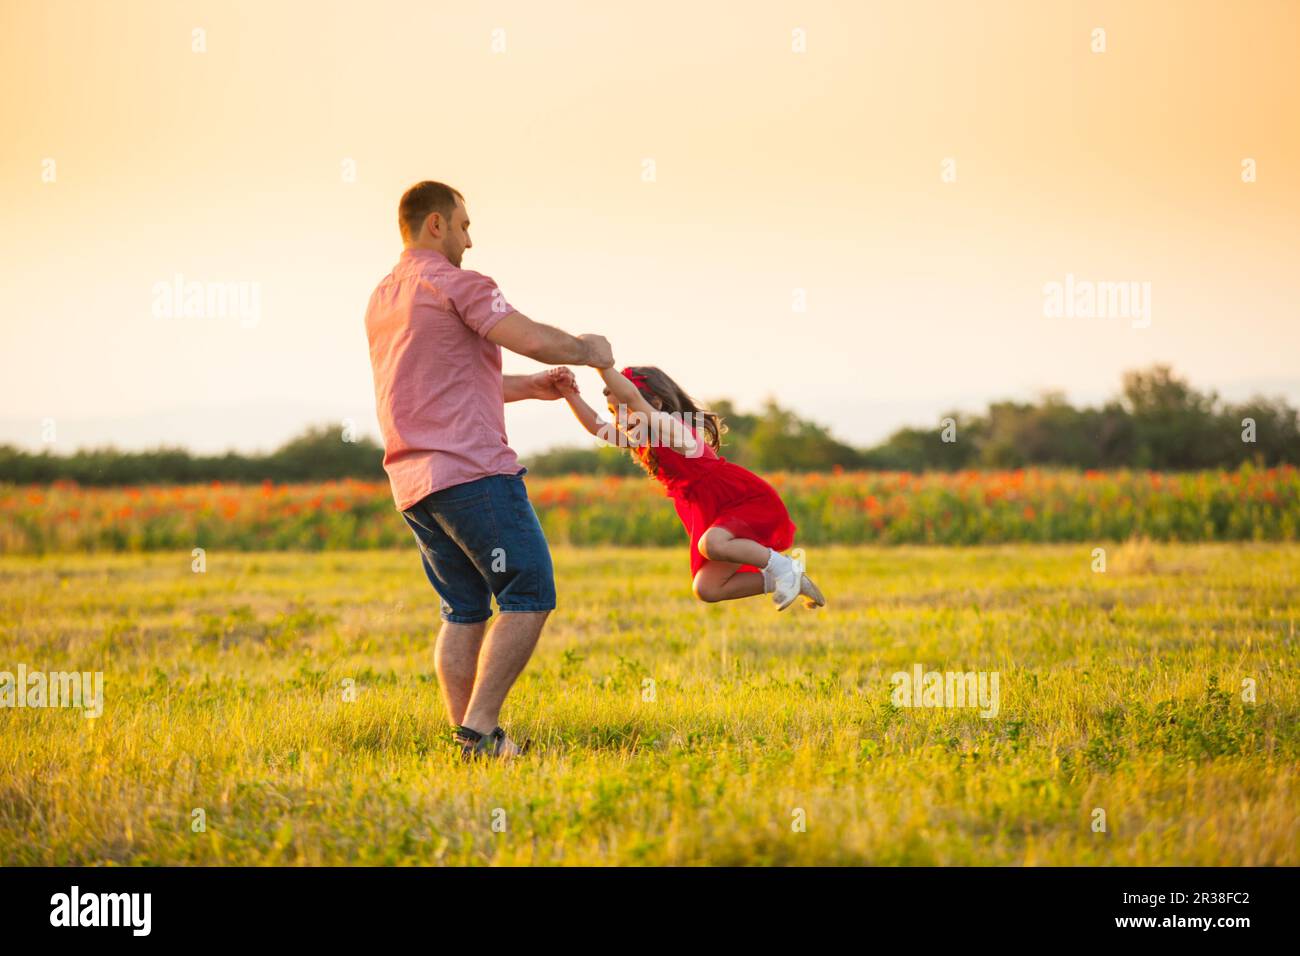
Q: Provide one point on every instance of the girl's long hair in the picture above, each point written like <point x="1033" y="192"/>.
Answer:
<point x="674" y="400"/>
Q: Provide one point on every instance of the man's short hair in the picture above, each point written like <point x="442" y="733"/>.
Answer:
<point x="421" y="200"/>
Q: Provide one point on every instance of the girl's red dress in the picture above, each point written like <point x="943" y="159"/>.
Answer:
<point x="709" y="491"/>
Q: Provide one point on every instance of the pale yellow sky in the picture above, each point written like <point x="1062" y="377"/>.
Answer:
<point x="774" y="171"/>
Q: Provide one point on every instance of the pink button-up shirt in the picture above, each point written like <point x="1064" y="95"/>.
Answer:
<point x="437" y="377"/>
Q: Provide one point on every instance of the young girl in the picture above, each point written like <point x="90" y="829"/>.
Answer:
<point x="736" y="521"/>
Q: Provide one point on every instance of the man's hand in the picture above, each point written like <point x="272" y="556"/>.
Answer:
<point x="552" y="384"/>
<point x="599" y="352"/>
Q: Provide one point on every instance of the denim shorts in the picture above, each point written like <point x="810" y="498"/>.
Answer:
<point x="480" y="539"/>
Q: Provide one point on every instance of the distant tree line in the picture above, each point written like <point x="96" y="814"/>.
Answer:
<point x="1158" y="421"/>
<point x="319" y="454"/>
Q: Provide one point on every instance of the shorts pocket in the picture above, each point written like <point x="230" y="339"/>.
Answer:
<point x="472" y="499"/>
<point x="471" y="524"/>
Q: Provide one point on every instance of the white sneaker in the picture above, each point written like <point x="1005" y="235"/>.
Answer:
<point x="785" y="579"/>
<point x="811" y="592"/>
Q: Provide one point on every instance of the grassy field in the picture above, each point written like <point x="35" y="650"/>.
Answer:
<point x="225" y="692"/>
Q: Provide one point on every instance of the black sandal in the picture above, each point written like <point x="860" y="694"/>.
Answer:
<point x="473" y="744"/>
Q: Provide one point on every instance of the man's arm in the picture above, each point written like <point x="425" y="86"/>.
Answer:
<point x="547" y="385"/>
<point x="549" y="345"/>
<point x="515" y="388"/>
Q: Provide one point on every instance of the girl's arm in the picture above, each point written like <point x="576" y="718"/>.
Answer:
<point x="671" y="431"/>
<point x="587" y="417"/>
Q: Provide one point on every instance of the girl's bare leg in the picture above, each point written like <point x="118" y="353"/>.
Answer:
<point x="724" y="581"/>
<point x="721" y="578"/>
<point x="722" y="547"/>
<point x="719" y="544"/>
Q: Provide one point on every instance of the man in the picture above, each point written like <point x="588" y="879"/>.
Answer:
<point x="436" y="332"/>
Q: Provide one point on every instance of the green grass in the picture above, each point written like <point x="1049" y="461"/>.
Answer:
<point x="1119" y="691"/>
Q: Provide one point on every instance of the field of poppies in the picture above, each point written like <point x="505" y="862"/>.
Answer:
<point x="962" y="508"/>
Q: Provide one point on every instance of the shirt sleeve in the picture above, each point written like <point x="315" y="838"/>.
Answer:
<point x="477" y="300"/>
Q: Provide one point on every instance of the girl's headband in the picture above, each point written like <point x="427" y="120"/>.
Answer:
<point x="634" y="378"/>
